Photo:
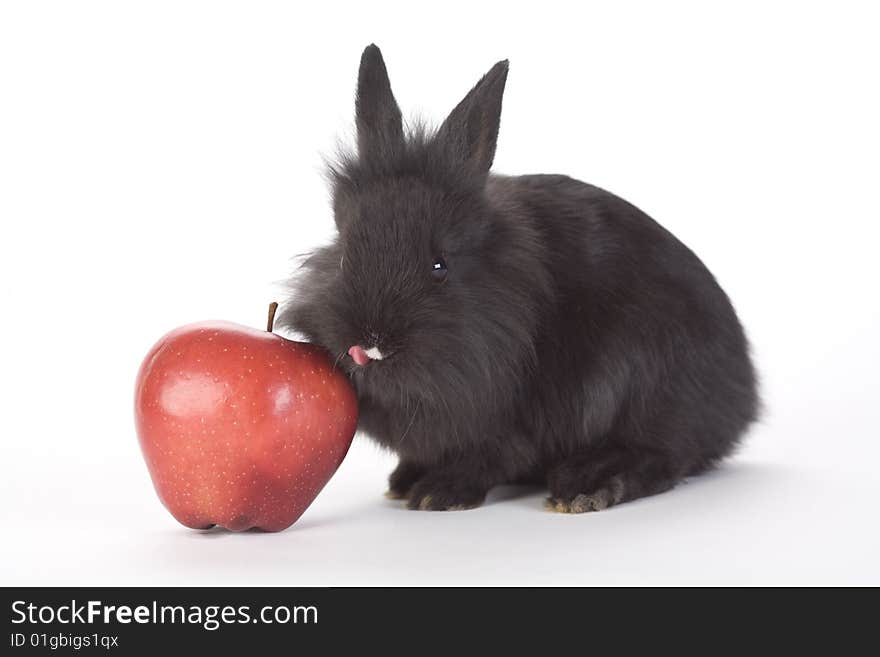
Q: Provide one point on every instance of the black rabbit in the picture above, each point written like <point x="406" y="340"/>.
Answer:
<point x="515" y="329"/>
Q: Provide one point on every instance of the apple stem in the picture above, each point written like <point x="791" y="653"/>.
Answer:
<point x="270" y="324"/>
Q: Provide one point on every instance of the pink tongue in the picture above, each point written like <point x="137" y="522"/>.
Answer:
<point x="359" y="355"/>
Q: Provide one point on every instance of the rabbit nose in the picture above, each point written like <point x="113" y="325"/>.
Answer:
<point x="358" y="355"/>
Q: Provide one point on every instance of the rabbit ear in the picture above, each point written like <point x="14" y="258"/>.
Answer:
<point x="379" y="123"/>
<point x="470" y="132"/>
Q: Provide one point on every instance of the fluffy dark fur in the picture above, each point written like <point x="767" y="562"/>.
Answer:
<point x="572" y="341"/>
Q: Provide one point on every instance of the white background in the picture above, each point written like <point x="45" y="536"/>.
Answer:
<point x="161" y="163"/>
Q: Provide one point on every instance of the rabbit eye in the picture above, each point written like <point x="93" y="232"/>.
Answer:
<point x="438" y="269"/>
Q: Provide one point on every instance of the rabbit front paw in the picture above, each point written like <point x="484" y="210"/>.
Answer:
<point x="444" y="492"/>
<point x="401" y="481"/>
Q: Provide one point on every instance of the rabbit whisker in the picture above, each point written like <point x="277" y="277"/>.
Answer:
<point x="411" y="421"/>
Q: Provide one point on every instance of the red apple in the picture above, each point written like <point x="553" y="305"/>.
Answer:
<point x="239" y="427"/>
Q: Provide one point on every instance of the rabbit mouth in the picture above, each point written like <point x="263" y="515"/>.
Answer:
<point x="363" y="357"/>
